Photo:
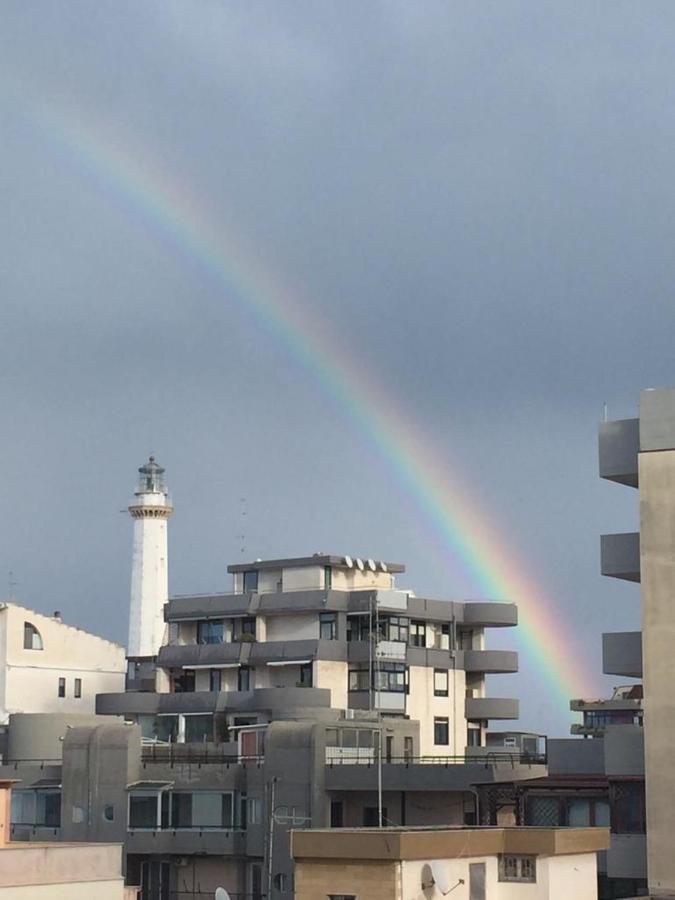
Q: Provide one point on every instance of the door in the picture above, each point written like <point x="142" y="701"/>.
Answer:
<point x="477" y="881"/>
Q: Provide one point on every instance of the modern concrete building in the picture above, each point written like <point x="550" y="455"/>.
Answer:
<point x="430" y="863"/>
<point x="49" y="666"/>
<point x="57" y="871"/>
<point x="640" y="453"/>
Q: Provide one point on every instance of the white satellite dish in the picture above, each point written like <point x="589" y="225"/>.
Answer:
<point x="383" y="566"/>
<point x="221" y="894"/>
<point x="371" y="565"/>
<point x="359" y="563"/>
<point x="349" y="562"/>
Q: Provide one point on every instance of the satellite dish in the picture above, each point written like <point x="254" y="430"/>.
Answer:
<point x="371" y="565"/>
<point x="221" y="894"/>
<point x="349" y="562"/>
<point x="359" y="563"/>
<point x="383" y="566"/>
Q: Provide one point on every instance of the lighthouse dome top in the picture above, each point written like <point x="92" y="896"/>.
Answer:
<point x="151" y="477"/>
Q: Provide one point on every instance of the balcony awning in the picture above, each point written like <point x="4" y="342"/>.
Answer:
<point x="150" y="785"/>
<point x="290" y="662"/>
<point x="234" y="665"/>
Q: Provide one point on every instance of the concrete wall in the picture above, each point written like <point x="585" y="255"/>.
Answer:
<point x="32" y="676"/>
<point x="61" y="872"/>
<point x="423" y="706"/>
<point x="39" y="736"/>
<point x="293" y="627"/>
<point x="657" y="563"/>
<point x="333" y="676"/>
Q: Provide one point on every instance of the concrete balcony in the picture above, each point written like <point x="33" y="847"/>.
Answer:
<point x="618" y="446"/>
<point x="489" y="661"/>
<point x="620" y="555"/>
<point x="490" y="615"/>
<point x="273" y="700"/>
<point x="622" y="654"/>
<point x="207" y="842"/>
<point x="491" y="708"/>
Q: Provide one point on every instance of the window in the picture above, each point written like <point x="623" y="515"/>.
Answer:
<point x="397" y="629"/>
<point x="517" y="868"/>
<point x="215" y="680"/>
<point x="32" y="640"/>
<point x="183" y="681"/>
<point x="359" y="679"/>
<point x="201" y="809"/>
<point x="473" y="737"/>
<point x="418" y="634"/>
<point x="627" y="800"/>
<point x="109" y="812"/>
<point x="440" y="682"/>
<point x="327" y="626"/>
<point x="441" y="731"/>
<point x="444" y="639"/>
<point x="144" y="809"/>
<point x="77" y="690"/>
<point x="327" y="578"/>
<point x="174" y="631"/>
<point x="243" y="629"/>
<point x="250" y="581"/>
<point x="198" y="729"/>
<point x="390" y="677"/>
<point x="305" y="675"/>
<point x="336" y="814"/>
<point x="280" y="881"/>
<point x="62" y="687"/>
<point x="407" y="748"/>
<point x="254" y="811"/>
<point x="244" y="679"/>
<point x="210" y="632"/>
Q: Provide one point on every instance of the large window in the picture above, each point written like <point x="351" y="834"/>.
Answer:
<point x="183" y="681"/>
<point x="397" y="629"/>
<point x="390" y="677"/>
<point x="243" y="629"/>
<point x="215" y="680"/>
<point x="440" y="682"/>
<point x="441" y="731"/>
<point x="198" y="729"/>
<point x="385" y="628"/>
<point x="305" y="675"/>
<point x="244" y="679"/>
<point x="38" y="807"/>
<point x="251" y="581"/>
<point x="328" y="626"/>
<point x="554" y="810"/>
<point x="181" y="810"/>
<point x="628" y="807"/>
<point x="418" y="634"/>
<point x="32" y="640"/>
<point x="210" y="632"/>
<point x="144" y="809"/>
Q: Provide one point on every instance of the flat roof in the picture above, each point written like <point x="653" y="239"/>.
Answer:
<point x="318" y="559"/>
<point x="397" y="844"/>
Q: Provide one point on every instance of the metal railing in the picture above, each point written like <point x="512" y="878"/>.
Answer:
<point x="175" y="754"/>
<point x="484" y="759"/>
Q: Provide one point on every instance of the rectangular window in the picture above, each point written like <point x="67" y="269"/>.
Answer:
<point x="62" y="687"/>
<point x="77" y="690"/>
<point x="328" y="626"/>
<point x="198" y="729"/>
<point x="143" y="809"/>
<point x="441" y="731"/>
<point x="418" y="634"/>
<point x="183" y="681"/>
<point x="473" y="737"/>
<point x="440" y="682"/>
<point x="407" y="749"/>
<point x="215" y="680"/>
<point x="518" y="868"/>
<point x="359" y="679"/>
<point x="254" y="811"/>
<point x="444" y="640"/>
<point x="327" y="578"/>
<point x="397" y="629"/>
<point x="306" y="675"/>
<point x="211" y="632"/>
<point x="243" y="629"/>
<point x="244" y="679"/>
<point x="391" y="677"/>
<point x="627" y="800"/>
<point x="250" y="581"/>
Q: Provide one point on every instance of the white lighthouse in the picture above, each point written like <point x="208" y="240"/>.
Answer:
<point x="150" y="510"/>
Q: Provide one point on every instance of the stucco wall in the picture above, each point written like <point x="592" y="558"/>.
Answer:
<point x="32" y="676"/>
<point x="423" y="706"/>
<point x="333" y="676"/>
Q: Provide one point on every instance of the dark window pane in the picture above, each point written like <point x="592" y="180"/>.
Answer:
<point x="143" y="811"/>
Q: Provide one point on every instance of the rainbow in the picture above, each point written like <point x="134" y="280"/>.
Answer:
<point x="461" y="531"/>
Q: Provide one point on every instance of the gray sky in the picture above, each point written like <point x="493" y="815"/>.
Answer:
<point x="476" y="199"/>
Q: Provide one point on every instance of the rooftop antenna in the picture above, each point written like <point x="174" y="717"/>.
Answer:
<point x="11" y="584"/>
<point x="243" y="512"/>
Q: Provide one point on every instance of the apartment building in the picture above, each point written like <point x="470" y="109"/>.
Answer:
<point x="51" y="667"/>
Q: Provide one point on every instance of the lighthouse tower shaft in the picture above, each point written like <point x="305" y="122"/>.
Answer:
<point x="150" y="510"/>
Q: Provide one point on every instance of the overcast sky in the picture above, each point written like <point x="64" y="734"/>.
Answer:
<point x="476" y="199"/>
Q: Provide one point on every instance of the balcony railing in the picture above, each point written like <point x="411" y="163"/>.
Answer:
<point x="486" y="760"/>
<point x="198" y="754"/>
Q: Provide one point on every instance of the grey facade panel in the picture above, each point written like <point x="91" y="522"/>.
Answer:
<point x="426" y="776"/>
<point x="179" y="655"/>
<point x="209" y="606"/>
<point x="570" y="756"/>
<point x="490" y="661"/>
<point x="624" y="750"/>
<point x="277" y="701"/>
<point x="627" y="856"/>
<point x="620" y="555"/>
<point x="489" y="615"/>
<point x="209" y="843"/>
<point x="491" y="708"/>
<point x="622" y="654"/>
<point x="657" y="420"/>
<point x="618" y="447"/>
